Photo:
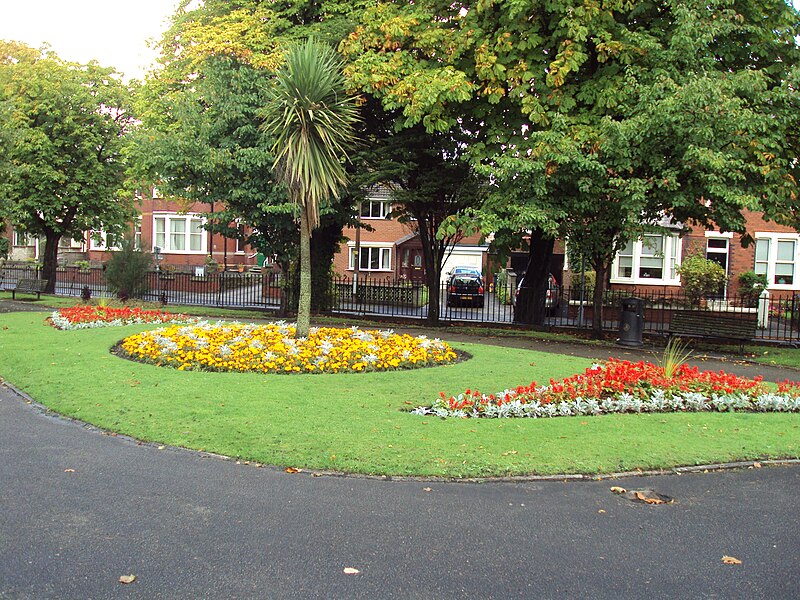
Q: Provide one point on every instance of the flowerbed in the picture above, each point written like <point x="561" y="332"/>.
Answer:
<point x="85" y="317"/>
<point x="272" y="348"/>
<point x="622" y="387"/>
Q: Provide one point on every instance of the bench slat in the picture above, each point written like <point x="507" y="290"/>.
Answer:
<point x="702" y="324"/>
<point x="29" y="286"/>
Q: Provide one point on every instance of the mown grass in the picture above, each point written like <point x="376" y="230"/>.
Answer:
<point x="356" y="422"/>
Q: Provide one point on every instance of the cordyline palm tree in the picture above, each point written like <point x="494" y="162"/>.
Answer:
<point x="312" y="119"/>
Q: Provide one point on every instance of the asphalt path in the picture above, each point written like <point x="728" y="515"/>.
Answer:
<point x="79" y="509"/>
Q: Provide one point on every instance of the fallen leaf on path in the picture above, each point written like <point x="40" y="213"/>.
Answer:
<point x="69" y="470"/>
<point x="618" y="490"/>
<point x="730" y="560"/>
<point x="427" y="489"/>
<point x="351" y="571"/>
<point x="756" y="465"/>
<point x="646" y="500"/>
<point x="127" y="578"/>
<point x="292" y="470"/>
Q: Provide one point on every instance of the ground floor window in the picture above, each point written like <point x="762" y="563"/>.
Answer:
<point x="372" y="258"/>
<point x="650" y="260"/>
<point x="179" y="233"/>
<point x="22" y="239"/>
<point x="776" y="256"/>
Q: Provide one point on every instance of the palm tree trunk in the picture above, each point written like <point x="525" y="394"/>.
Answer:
<point x="304" y="302"/>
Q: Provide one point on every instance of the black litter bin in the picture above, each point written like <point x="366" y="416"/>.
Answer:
<point x="631" y="324"/>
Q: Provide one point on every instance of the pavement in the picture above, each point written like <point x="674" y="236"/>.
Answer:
<point x="80" y="508"/>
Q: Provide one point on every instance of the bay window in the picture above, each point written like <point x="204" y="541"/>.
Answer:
<point x="179" y="234"/>
<point x="650" y="260"/>
<point x="776" y="256"/>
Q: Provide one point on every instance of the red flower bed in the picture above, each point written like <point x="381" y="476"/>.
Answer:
<point x="82" y="315"/>
<point x="617" y="377"/>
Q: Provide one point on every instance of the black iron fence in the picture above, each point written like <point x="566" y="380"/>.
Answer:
<point x="775" y="318"/>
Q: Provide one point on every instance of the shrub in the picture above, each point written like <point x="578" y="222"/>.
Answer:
<point x="589" y="280"/>
<point x="501" y="288"/>
<point x="126" y="271"/>
<point x="701" y="277"/>
<point x="751" y="285"/>
<point x="5" y="248"/>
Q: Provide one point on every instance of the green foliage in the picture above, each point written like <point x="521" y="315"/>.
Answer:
<point x="701" y="277"/>
<point x="593" y="123"/>
<point x="64" y="129"/>
<point x="126" y="271"/>
<point x="751" y="285"/>
<point x="676" y="353"/>
<point x="589" y="281"/>
<point x="5" y="248"/>
<point x="312" y="119"/>
<point x="501" y="287"/>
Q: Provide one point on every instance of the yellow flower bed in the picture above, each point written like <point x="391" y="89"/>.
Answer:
<point x="272" y="348"/>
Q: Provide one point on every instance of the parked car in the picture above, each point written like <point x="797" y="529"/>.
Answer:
<point x="552" y="297"/>
<point x="465" y="289"/>
<point x="465" y="271"/>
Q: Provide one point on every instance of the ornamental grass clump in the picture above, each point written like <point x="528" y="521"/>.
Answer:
<point x="272" y="348"/>
<point x="83" y="316"/>
<point x="620" y="386"/>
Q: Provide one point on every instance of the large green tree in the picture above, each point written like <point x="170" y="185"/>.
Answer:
<point x="201" y="139"/>
<point x="62" y="168"/>
<point x="313" y="120"/>
<point x="596" y="118"/>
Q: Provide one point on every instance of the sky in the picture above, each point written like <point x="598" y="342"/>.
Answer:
<point x="112" y="32"/>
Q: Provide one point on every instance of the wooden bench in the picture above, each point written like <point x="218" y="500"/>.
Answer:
<point x="704" y="324"/>
<point x="29" y="286"/>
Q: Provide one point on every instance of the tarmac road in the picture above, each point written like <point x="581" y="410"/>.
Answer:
<point x="78" y="509"/>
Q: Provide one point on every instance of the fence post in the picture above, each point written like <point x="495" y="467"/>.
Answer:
<point x="763" y="310"/>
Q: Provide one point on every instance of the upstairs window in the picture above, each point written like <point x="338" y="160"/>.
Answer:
<point x="375" y="209"/>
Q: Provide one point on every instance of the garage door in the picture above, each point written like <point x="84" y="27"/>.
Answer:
<point x="462" y="257"/>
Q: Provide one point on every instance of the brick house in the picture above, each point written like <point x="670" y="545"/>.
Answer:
<point x="650" y="263"/>
<point x="178" y="231"/>
<point x="393" y="250"/>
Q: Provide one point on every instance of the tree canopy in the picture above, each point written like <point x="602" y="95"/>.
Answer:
<point x="593" y="119"/>
<point x="62" y="169"/>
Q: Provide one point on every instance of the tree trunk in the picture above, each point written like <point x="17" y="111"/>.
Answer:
<point x="530" y="305"/>
<point x="433" y="280"/>
<point x="50" y="261"/>
<point x="304" y="301"/>
<point x="600" y="269"/>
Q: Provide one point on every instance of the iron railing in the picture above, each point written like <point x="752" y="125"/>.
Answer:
<point x="777" y="318"/>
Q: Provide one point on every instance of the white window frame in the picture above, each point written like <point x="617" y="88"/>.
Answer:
<point x="164" y="239"/>
<point x="383" y="206"/>
<point x="241" y="245"/>
<point x="671" y="251"/>
<point x="769" y="266"/>
<point x="384" y="252"/>
<point x="22" y="239"/>
<point x="102" y="244"/>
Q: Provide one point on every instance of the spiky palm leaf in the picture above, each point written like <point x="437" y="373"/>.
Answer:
<point x="312" y="119"/>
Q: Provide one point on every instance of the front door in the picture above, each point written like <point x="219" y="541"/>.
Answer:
<point x="411" y="264"/>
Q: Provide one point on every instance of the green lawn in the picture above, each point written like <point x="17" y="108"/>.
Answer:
<point x="356" y="422"/>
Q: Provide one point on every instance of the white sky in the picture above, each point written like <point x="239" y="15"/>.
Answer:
<point x="112" y="32"/>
